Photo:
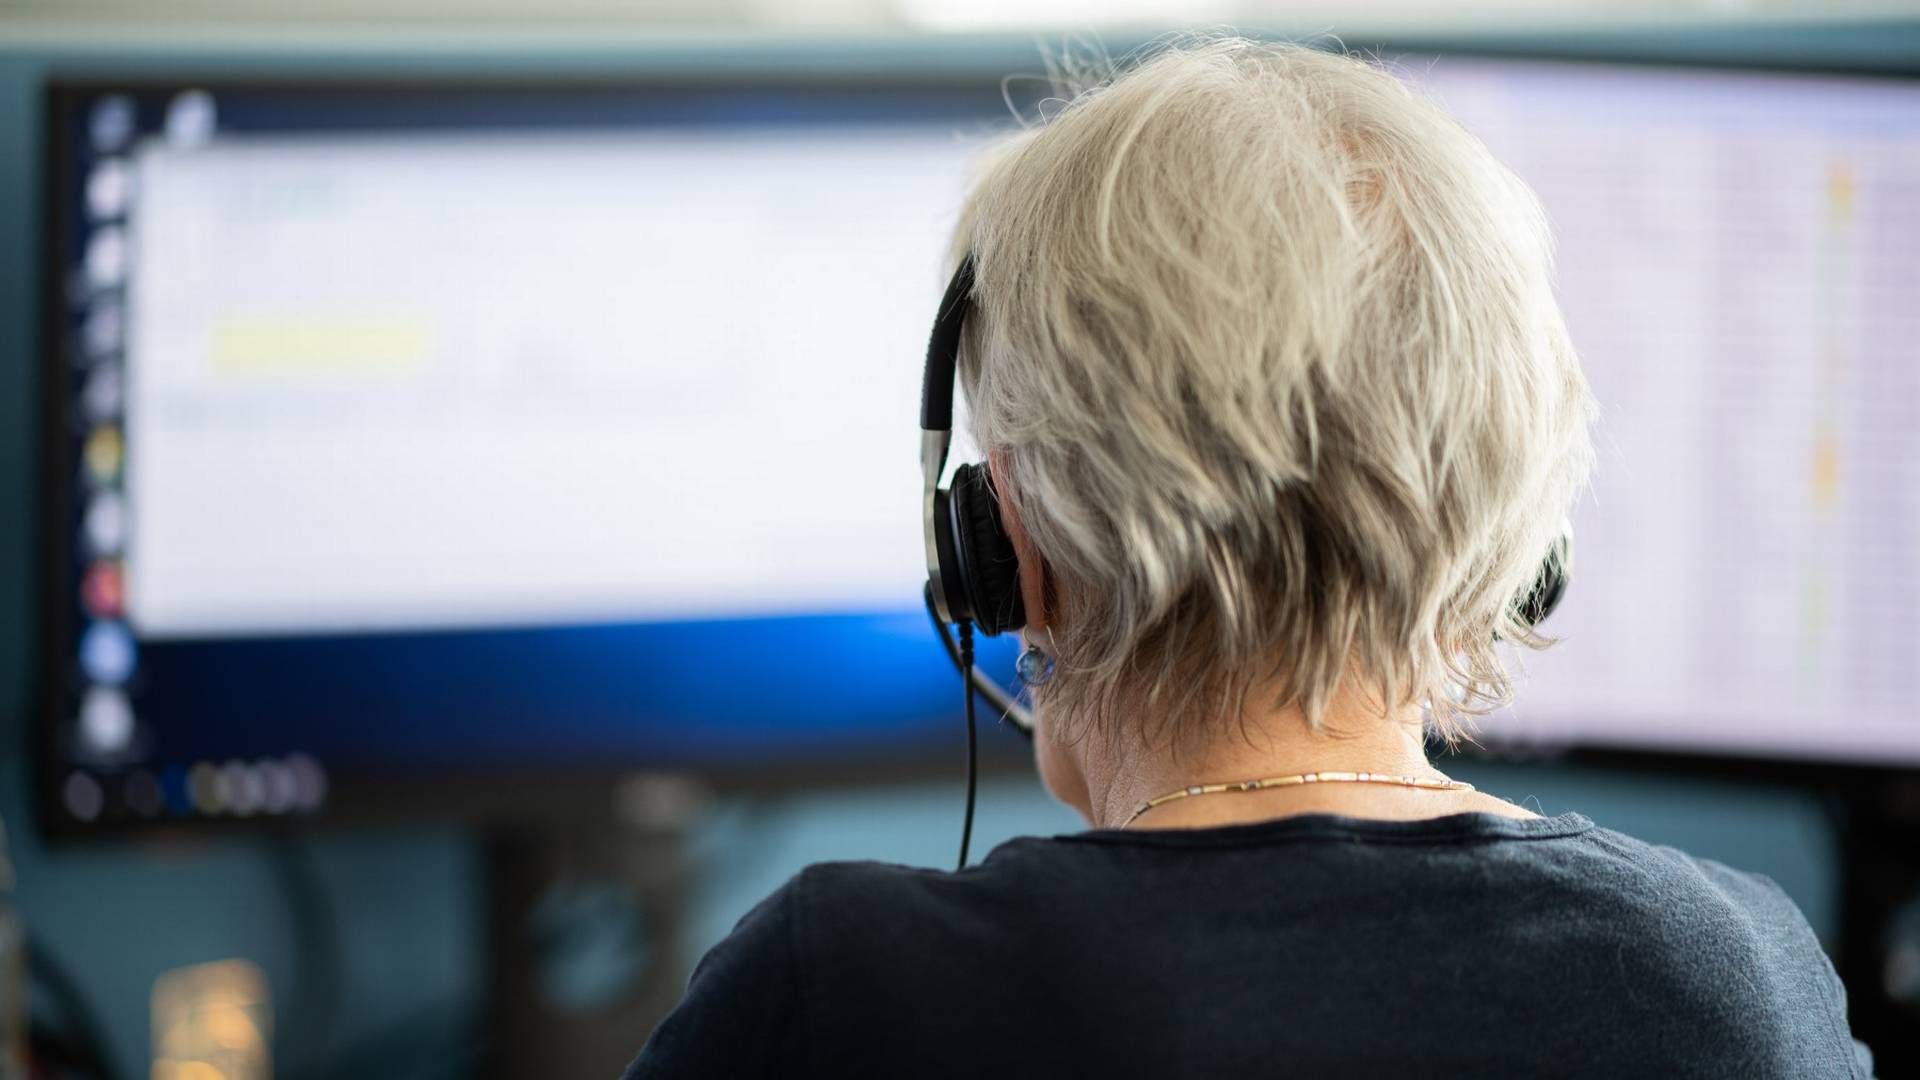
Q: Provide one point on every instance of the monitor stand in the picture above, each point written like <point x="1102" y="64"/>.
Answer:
<point x="1879" y="948"/>
<point x="584" y="932"/>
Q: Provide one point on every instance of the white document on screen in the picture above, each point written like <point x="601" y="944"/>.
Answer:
<point x="1737" y="261"/>
<point x="389" y="383"/>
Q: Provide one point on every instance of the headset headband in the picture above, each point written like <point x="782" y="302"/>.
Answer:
<point x="936" y="421"/>
<point x="943" y="350"/>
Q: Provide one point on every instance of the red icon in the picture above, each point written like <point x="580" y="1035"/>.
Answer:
<point x="103" y="592"/>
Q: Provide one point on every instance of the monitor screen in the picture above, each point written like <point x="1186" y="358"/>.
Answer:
<point x="416" y="431"/>
<point x="437" y="430"/>
<point x="1738" y="256"/>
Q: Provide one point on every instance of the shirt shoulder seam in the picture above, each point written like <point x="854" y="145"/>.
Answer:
<point x="1826" y="981"/>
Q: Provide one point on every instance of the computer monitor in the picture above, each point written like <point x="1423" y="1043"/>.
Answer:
<point x="405" y="434"/>
<point x="1738" y="256"/>
<point x="410" y="434"/>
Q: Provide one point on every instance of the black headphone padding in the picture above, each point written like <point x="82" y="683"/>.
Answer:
<point x="988" y="566"/>
<point x="1550" y="585"/>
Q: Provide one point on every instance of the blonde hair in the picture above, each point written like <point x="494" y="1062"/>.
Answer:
<point x="1269" y="347"/>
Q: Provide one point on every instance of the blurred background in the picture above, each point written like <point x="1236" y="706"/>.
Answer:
<point x="458" y="531"/>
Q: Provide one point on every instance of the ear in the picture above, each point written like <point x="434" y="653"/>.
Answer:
<point x="1033" y="568"/>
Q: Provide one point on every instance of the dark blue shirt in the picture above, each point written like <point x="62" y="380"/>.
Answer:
<point x="1471" y="945"/>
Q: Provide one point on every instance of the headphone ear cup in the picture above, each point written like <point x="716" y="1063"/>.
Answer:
<point x="989" y="570"/>
<point x="1550" y="587"/>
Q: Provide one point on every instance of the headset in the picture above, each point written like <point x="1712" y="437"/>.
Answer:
<point x="973" y="572"/>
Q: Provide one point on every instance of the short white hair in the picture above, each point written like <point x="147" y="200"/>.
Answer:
<point x="1269" y="348"/>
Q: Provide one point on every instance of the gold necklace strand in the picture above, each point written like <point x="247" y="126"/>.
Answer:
<point x="1427" y="783"/>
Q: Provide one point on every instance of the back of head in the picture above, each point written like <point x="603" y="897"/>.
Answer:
<point x="1269" y="348"/>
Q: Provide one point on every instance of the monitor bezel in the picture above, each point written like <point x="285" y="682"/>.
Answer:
<point x="590" y="794"/>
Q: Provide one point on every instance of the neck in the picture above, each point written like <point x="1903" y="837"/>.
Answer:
<point x="1354" y="736"/>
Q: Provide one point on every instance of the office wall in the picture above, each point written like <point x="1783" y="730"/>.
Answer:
<point x="407" y="900"/>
